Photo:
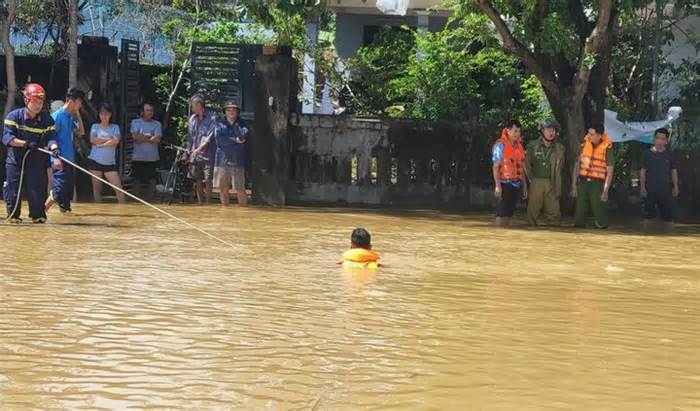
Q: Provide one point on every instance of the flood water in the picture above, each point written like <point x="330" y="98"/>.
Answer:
<point x="118" y="307"/>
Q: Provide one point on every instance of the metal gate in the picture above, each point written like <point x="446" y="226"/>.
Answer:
<point x="129" y="108"/>
<point x="222" y="71"/>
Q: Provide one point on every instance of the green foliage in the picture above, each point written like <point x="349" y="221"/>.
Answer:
<point x="376" y="69"/>
<point x="287" y="19"/>
<point x="688" y="75"/>
<point x="37" y="17"/>
<point x="457" y="74"/>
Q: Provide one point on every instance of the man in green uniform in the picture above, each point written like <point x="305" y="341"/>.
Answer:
<point x="592" y="178"/>
<point x="543" y="164"/>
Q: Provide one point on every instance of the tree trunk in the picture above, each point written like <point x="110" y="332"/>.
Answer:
<point x="173" y="92"/>
<point x="73" y="43"/>
<point x="9" y="55"/>
<point x="569" y="113"/>
<point x="183" y="69"/>
<point x="594" y="100"/>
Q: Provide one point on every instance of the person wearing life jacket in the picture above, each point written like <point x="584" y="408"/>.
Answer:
<point x="508" y="156"/>
<point x="27" y="129"/>
<point x="544" y="161"/>
<point x="360" y="254"/>
<point x="592" y="178"/>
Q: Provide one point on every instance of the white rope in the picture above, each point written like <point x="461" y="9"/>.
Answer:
<point x="178" y="219"/>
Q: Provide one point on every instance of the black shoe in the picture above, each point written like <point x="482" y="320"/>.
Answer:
<point x="40" y="220"/>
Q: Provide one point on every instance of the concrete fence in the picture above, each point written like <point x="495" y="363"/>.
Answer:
<point x="341" y="159"/>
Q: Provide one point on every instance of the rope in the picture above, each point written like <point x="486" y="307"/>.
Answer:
<point x="178" y="219"/>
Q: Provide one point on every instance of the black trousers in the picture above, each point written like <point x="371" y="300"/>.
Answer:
<point x="508" y="200"/>
<point x="34" y="188"/>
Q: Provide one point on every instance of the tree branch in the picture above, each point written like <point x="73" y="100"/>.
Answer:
<point x="517" y="48"/>
<point x="541" y="11"/>
<point x="593" y="45"/>
<point x="5" y="26"/>
<point x="578" y="15"/>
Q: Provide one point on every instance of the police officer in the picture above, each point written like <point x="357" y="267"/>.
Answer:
<point x="544" y="163"/>
<point x="26" y="130"/>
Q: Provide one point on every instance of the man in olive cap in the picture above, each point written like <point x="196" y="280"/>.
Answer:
<point x="543" y="164"/>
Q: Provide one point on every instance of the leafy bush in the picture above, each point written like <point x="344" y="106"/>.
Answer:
<point x="457" y="74"/>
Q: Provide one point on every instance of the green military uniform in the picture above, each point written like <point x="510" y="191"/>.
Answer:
<point x="589" y="193"/>
<point x="543" y="165"/>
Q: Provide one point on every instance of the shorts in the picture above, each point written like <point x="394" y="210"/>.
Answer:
<point x="225" y="174"/>
<point x="508" y="200"/>
<point x="662" y="201"/>
<point x="144" y="171"/>
<point x="94" y="165"/>
<point x="201" y="171"/>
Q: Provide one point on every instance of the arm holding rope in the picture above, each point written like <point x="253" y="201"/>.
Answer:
<point x="50" y="139"/>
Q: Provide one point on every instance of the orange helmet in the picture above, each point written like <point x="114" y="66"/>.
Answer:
<point x="34" y="91"/>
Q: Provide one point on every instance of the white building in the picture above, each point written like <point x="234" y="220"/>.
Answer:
<point x="357" y="22"/>
<point x="679" y="50"/>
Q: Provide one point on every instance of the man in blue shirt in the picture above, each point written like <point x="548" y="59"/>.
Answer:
<point x="508" y="157"/>
<point x="200" y="128"/>
<point x="231" y="144"/>
<point x="68" y="121"/>
<point x="27" y="129"/>
<point x="147" y="134"/>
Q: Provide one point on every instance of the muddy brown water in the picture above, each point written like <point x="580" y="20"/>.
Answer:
<point x="117" y="307"/>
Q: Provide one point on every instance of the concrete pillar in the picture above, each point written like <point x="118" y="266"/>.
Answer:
<point x="275" y="89"/>
<point x="423" y="21"/>
<point x="308" y="87"/>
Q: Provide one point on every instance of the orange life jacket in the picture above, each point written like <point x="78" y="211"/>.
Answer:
<point x="593" y="162"/>
<point x="360" y="255"/>
<point x="513" y="164"/>
<point x="360" y="258"/>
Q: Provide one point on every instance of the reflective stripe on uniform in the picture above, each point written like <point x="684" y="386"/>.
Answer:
<point x="35" y="130"/>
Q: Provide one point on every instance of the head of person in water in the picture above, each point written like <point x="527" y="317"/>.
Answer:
<point x="661" y="136"/>
<point x="361" y="238"/>
<point x="595" y="134"/>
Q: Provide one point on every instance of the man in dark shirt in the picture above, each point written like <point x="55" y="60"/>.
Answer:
<point x="231" y="140"/>
<point x="658" y="178"/>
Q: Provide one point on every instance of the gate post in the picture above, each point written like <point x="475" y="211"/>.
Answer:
<point x="129" y="107"/>
<point x="275" y="100"/>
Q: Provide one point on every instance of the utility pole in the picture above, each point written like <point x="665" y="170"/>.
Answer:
<point x="660" y="5"/>
<point x="73" y="43"/>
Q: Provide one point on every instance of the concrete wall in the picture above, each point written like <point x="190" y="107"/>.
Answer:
<point x="339" y="159"/>
<point x="679" y="50"/>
